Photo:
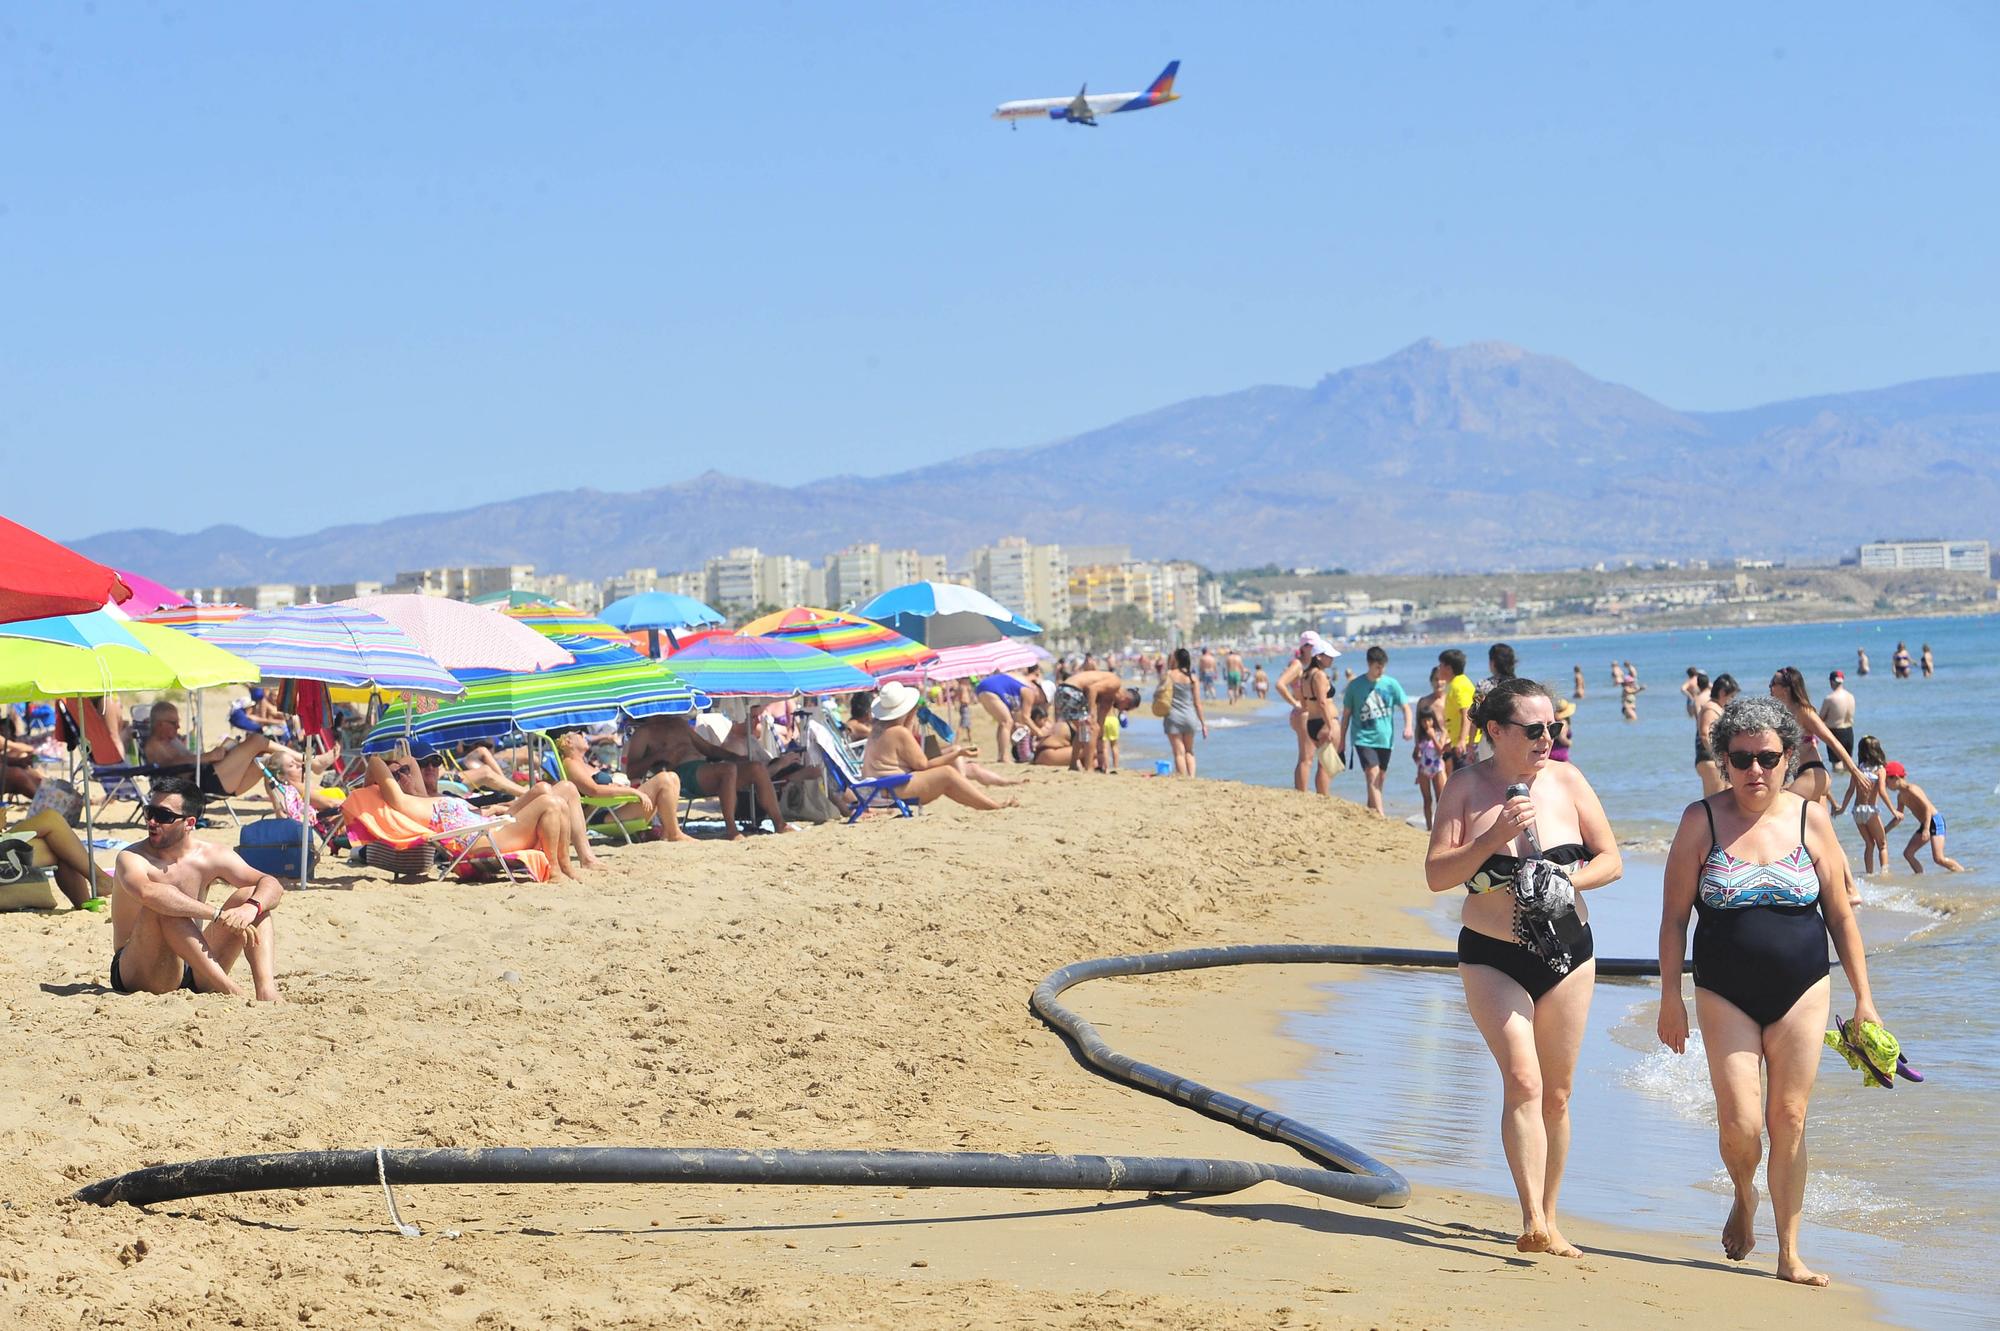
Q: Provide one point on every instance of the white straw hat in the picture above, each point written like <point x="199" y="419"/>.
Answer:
<point x="894" y="701"/>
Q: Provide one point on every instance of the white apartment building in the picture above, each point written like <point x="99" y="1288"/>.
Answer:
<point x="1031" y="580"/>
<point x="1942" y="556"/>
<point x="864" y="571"/>
<point x="746" y="578"/>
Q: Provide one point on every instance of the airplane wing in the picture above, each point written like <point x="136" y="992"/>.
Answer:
<point x="1079" y="112"/>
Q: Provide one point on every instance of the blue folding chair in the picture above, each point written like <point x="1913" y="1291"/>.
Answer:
<point x="847" y="775"/>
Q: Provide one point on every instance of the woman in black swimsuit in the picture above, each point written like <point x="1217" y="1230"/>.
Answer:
<point x="1762" y="868"/>
<point x="1525" y="954"/>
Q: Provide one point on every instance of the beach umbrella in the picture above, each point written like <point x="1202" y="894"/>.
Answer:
<point x="513" y="596"/>
<point x="861" y="643"/>
<point x="944" y="614"/>
<point x="147" y="595"/>
<point x="90" y="655"/>
<point x="185" y="616"/>
<point x="678" y="642"/>
<point x="333" y="644"/>
<point x="40" y="579"/>
<point x="735" y="666"/>
<point x="459" y="636"/>
<point x="557" y="619"/>
<point x="605" y="683"/>
<point x="975" y="660"/>
<point x="654" y="613"/>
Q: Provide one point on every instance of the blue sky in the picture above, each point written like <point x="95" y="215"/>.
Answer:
<point x="353" y="261"/>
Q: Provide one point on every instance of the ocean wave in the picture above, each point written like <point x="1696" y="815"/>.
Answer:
<point x="1226" y="723"/>
<point x="1890" y="896"/>
<point x="1680" y="1080"/>
<point x="1838" y="1200"/>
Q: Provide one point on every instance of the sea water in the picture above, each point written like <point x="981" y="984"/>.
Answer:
<point x="1903" y="1193"/>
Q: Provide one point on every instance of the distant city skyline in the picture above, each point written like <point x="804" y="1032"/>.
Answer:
<point x="290" y="267"/>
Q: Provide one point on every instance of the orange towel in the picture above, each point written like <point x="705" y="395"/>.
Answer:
<point x="369" y="818"/>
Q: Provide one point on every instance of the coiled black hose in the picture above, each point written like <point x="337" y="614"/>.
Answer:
<point x="1344" y="1173"/>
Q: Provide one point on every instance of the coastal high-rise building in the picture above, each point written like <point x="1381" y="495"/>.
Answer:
<point x="1030" y="579"/>
<point x="746" y="578"/>
<point x="463" y="581"/>
<point x="865" y="570"/>
<point x="1942" y="556"/>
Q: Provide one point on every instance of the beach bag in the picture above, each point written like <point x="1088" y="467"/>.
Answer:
<point x="1024" y="744"/>
<point x="805" y="801"/>
<point x="1163" y="698"/>
<point x="271" y="845"/>
<point x="17" y="860"/>
<point x="60" y="796"/>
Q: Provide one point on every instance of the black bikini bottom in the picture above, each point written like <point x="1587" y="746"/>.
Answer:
<point x="1520" y="965"/>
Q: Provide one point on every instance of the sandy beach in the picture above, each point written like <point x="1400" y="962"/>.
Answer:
<point x="841" y="987"/>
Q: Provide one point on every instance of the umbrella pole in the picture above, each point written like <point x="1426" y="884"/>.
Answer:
<point x="306" y="823"/>
<point x="89" y="820"/>
<point x="195" y="694"/>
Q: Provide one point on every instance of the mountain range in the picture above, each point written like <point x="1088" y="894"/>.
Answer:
<point x="1435" y="459"/>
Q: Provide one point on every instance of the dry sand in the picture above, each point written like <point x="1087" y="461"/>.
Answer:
<point x="842" y="987"/>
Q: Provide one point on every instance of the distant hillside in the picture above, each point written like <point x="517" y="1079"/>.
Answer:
<point x="1436" y="458"/>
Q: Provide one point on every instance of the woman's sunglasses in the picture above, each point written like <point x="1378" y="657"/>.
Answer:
<point x="160" y="813"/>
<point x="1534" y="730"/>
<point x="1740" y="759"/>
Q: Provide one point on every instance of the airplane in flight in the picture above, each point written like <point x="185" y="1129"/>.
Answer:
<point x="1084" y="109"/>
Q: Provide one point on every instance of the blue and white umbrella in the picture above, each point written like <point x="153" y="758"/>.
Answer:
<point x="944" y="614"/>
<point x="654" y="613"/>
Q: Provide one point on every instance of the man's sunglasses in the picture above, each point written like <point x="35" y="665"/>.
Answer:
<point x="1534" y="730"/>
<point x="160" y="813"/>
<point x="1740" y="759"/>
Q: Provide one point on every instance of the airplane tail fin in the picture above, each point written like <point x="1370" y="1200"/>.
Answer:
<point x="1163" y="86"/>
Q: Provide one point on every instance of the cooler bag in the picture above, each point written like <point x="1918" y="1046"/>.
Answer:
<point x="271" y="845"/>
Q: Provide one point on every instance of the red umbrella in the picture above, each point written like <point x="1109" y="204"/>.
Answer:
<point x="39" y="578"/>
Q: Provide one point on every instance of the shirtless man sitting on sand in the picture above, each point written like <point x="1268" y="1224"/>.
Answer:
<point x="164" y="935"/>
<point x="226" y="769"/>
<point x="671" y="743"/>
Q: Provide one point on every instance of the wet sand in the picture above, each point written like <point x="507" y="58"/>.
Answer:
<point x="843" y="987"/>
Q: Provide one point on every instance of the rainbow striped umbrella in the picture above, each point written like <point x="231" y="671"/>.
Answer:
<point x="729" y="664"/>
<point x="607" y="683"/>
<point x="861" y="643"/>
<point x="185" y="616"/>
<point x="334" y="644"/>
<point x="561" y="620"/>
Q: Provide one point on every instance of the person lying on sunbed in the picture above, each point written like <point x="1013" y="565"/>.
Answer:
<point x="230" y="768"/>
<point x="894" y="749"/>
<point x="671" y="743"/>
<point x="658" y="797"/>
<point x="164" y="936"/>
<point x="291" y="798"/>
<point x="430" y="771"/>
<point x="542" y="821"/>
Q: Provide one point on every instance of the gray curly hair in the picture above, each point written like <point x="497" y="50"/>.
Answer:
<point x="1750" y="714"/>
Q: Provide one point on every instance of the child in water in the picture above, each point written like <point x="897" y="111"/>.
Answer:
<point x="1910" y="799"/>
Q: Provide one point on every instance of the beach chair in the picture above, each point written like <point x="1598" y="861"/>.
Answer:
<point x="600" y="810"/>
<point x="846" y="771"/>
<point x="399" y="845"/>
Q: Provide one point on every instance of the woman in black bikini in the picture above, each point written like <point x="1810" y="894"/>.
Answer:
<point x="1762" y="868"/>
<point x="1525" y="954"/>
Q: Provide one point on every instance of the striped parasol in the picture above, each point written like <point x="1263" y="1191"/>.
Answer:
<point x="735" y="666"/>
<point x="607" y="683"/>
<point x="561" y="620"/>
<point x="465" y="637"/>
<point x="861" y="643"/>
<point x="334" y="644"/>
<point x="186" y="616"/>
<point x="978" y="659"/>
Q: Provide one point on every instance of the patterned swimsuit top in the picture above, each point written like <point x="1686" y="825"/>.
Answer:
<point x="1498" y="872"/>
<point x="1728" y="883"/>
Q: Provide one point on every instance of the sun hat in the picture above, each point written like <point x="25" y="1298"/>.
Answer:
<point x="894" y="701"/>
<point x="1320" y="646"/>
<point x="1894" y="769"/>
<point x="1565" y="709"/>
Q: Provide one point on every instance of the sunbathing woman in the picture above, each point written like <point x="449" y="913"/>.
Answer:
<point x="542" y="821"/>
<point x="657" y="798"/>
<point x="894" y="749"/>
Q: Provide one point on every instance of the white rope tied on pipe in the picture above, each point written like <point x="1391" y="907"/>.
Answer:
<point x="395" y="1218"/>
